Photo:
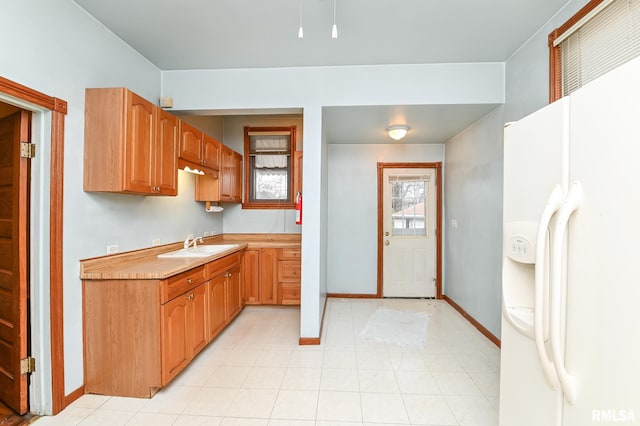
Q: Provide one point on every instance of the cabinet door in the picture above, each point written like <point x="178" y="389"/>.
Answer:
<point x="190" y="143"/>
<point x="234" y="292"/>
<point x="176" y="337"/>
<point x="226" y="174"/>
<point x="166" y="154"/>
<point x="139" y="144"/>
<point x="251" y="276"/>
<point x="217" y="305"/>
<point x="268" y="276"/>
<point x="210" y="152"/>
<point x="200" y="328"/>
<point x="236" y="187"/>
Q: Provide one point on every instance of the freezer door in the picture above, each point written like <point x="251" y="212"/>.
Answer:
<point x="534" y="162"/>
<point x="602" y="349"/>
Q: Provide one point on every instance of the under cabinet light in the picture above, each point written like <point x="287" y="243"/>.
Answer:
<point x="194" y="171"/>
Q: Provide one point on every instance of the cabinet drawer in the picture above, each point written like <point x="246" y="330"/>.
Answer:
<point x="289" y="271"/>
<point x="178" y="284"/>
<point x="290" y="294"/>
<point x="223" y="264"/>
<point x="290" y="253"/>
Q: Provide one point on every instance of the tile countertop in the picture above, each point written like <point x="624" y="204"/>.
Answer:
<point x="145" y="265"/>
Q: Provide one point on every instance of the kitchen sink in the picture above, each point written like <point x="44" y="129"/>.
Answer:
<point x="199" y="251"/>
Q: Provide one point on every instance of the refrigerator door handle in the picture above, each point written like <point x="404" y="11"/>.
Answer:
<point x="571" y="204"/>
<point x="554" y="202"/>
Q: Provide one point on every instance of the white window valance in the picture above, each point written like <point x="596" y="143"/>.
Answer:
<point x="271" y="161"/>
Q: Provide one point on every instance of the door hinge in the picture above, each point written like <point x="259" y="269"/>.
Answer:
<point x="27" y="150"/>
<point x="27" y="365"/>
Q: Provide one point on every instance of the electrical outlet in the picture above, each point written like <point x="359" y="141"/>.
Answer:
<point x="155" y="242"/>
<point x="113" y="248"/>
<point x="206" y="234"/>
<point x="454" y="223"/>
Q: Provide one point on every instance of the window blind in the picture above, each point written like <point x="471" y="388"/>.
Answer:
<point x="604" y="42"/>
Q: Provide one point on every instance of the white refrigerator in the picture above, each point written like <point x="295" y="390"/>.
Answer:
<point x="571" y="259"/>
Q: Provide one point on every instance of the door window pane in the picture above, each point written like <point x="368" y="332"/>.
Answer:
<point x="409" y="198"/>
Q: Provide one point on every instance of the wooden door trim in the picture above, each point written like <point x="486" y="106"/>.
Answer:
<point x="438" y="168"/>
<point x="58" y="108"/>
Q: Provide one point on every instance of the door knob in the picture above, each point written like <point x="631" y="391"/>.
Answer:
<point x="386" y="242"/>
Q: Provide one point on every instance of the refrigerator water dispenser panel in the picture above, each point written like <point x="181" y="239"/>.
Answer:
<point x="518" y="277"/>
<point x="520" y="249"/>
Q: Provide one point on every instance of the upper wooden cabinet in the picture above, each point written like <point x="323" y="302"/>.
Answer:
<point x="166" y="162"/>
<point x="231" y="176"/>
<point x="198" y="148"/>
<point x="130" y="144"/>
<point x="227" y="186"/>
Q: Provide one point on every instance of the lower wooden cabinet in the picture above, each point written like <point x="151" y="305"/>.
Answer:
<point x="272" y="276"/>
<point x="225" y="297"/>
<point x="234" y="292"/>
<point x="251" y="276"/>
<point x="139" y="334"/>
<point x="260" y="276"/>
<point x="289" y="275"/>
<point x="217" y="305"/>
<point x="184" y="330"/>
<point x="268" y="276"/>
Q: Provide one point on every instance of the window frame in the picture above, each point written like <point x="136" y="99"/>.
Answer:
<point x="247" y="203"/>
<point x="555" y="71"/>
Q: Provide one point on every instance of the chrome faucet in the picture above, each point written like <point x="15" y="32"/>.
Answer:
<point x="190" y="240"/>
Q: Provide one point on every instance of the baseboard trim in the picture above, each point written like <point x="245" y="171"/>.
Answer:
<point x="73" y="396"/>
<point x="353" y="296"/>
<point x="306" y="341"/>
<point x="473" y="321"/>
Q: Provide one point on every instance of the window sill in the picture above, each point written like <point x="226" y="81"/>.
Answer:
<point x="269" y="206"/>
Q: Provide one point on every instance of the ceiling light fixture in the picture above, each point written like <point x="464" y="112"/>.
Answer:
<point x="334" y="29"/>
<point x="300" y="31"/>
<point x="398" y="131"/>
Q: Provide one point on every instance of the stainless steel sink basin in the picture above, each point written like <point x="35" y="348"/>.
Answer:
<point x="199" y="251"/>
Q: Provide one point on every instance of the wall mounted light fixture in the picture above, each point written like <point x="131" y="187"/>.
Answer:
<point x="397" y="131"/>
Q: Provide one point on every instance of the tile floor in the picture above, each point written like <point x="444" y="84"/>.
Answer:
<point x="255" y="374"/>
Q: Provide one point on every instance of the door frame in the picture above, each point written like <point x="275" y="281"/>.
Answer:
<point x="438" y="169"/>
<point x="37" y="102"/>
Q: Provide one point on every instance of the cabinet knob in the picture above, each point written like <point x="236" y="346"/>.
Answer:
<point x="190" y="296"/>
<point x="189" y="281"/>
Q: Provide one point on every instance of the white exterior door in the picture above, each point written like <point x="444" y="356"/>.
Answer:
<point x="409" y="232"/>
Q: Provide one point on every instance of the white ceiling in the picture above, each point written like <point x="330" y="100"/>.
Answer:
<point x="207" y="34"/>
